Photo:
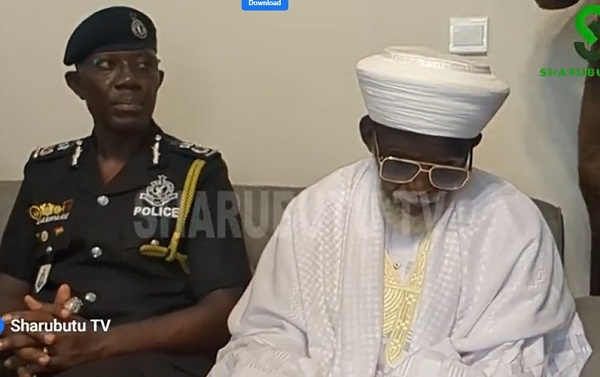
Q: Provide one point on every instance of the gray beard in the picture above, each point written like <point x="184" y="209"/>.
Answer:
<point x="412" y="214"/>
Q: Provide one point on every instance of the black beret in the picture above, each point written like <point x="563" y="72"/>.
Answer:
<point x="111" y="29"/>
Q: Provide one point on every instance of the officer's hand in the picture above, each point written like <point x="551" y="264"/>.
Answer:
<point x="25" y="372"/>
<point x="71" y="348"/>
<point x="28" y="358"/>
<point x="65" y="350"/>
<point x="26" y="349"/>
<point x="16" y="340"/>
<point x="40" y="311"/>
<point x="56" y="308"/>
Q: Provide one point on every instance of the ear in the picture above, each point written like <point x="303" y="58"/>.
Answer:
<point x="367" y="127"/>
<point x="161" y="78"/>
<point x="73" y="81"/>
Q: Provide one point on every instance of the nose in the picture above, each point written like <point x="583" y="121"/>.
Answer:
<point x="127" y="78"/>
<point x="419" y="184"/>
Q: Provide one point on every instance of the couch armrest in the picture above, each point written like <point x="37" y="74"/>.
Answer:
<point x="554" y="218"/>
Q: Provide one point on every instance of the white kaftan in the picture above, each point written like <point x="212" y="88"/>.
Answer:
<point x="494" y="301"/>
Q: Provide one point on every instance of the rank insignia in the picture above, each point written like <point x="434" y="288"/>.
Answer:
<point x="50" y="212"/>
<point x="197" y="148"/>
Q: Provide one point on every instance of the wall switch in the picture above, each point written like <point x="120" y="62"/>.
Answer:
<point x="469" y="36"/>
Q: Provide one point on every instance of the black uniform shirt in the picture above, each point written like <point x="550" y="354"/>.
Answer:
<point x="92" y="233"/>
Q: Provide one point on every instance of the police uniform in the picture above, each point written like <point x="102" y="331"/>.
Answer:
<point x="157" y="238"/>
<point x="111" y="242"/>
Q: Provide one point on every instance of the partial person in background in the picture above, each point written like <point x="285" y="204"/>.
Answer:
<point x="556" y="4"/>
<point x="588" y="152"/>
<point x="411" y="263"/>
<point x="128" y="224"/>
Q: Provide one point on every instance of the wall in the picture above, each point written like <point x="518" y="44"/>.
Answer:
<point x="276" y="92"/>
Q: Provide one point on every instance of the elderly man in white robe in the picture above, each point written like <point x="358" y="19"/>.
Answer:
<point x="411" y="263"/>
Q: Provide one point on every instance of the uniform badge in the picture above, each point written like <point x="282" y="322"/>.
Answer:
<point x="42" y="277"/>
<point x="50" y="212"/>
<point x="62" y="146"/>
<point x="158" y="194"/>
<point x="156" y="149"/>
<point x="44" y="151"/>
<point x="197" y="148"/>
<point x="138" y="28"/>
<point x="49" y="150"/>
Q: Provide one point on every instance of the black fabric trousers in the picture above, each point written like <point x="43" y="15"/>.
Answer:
<point x="137" y="365"/>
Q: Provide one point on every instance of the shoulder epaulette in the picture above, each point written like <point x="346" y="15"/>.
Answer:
<point x="190" y="149"/>
<point x="53" y="151"/>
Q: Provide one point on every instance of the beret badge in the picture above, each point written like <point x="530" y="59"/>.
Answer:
<point x="138" y="28"/>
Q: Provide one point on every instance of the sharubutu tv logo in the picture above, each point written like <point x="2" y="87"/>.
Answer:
<point x="19" y="325"/>
<point x="590" y="33"/>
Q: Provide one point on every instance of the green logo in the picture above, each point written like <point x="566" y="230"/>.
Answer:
<point x="590" y="33"/>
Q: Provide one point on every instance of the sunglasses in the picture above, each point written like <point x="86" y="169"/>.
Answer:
<point x="402" y="171"/>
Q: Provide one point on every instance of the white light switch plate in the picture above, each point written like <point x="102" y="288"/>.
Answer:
<point x="469" y="35"/>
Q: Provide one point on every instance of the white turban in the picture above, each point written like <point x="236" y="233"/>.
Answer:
<point x="420" y="90"/>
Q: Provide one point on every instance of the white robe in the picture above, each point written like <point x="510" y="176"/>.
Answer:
<point x="494" y="302"/>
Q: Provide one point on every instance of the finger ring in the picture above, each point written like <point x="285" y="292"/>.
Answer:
<point x="73" y="305"/>
<point x="45" y="349"/>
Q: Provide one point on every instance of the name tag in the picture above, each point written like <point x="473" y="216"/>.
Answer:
<point x="42" y="277"/>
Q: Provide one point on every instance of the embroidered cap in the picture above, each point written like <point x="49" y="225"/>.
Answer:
<point x="420" y="90"/>
<point x="111" y="29"/>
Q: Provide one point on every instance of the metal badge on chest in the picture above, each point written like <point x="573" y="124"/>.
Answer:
<point x="160" y="198"/>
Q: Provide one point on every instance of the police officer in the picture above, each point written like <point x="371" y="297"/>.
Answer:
<point x="141" y="228"/>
